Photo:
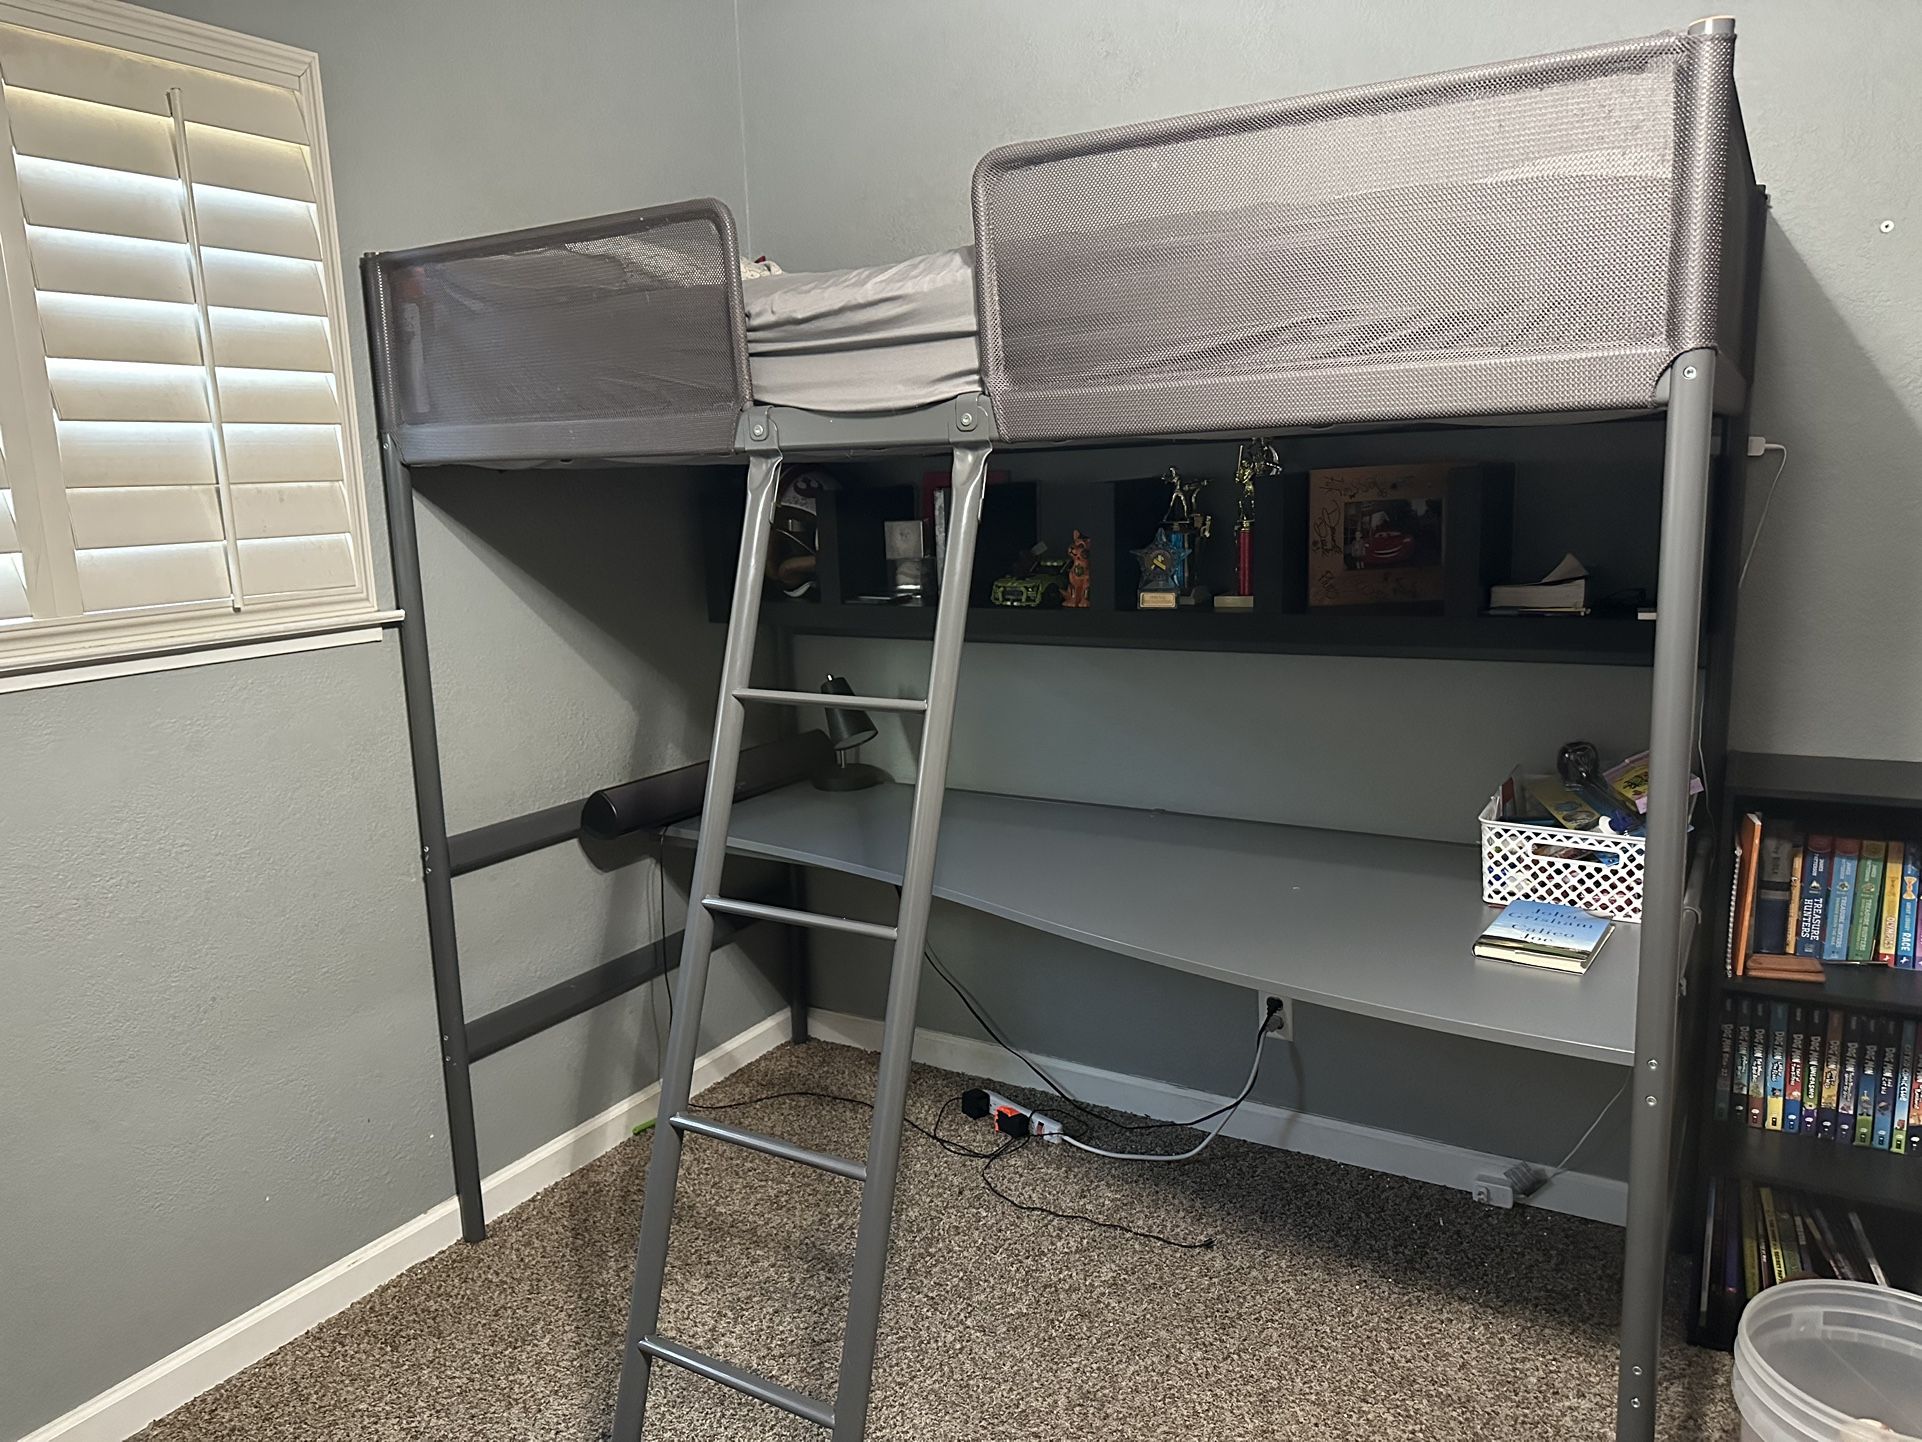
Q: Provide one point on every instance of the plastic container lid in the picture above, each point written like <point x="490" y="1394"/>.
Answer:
<point x="1819" y="1361"/>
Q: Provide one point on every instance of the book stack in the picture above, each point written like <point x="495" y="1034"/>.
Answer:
<point x="1805" y="897"/>
<point x="1757" y="1235"/>
<point x="1541" y="933"/>
<point x="1829" y="1075"/>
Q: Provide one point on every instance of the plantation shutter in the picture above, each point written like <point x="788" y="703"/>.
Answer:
<point x="13" y="572"/>
<point x="178" y="277"/>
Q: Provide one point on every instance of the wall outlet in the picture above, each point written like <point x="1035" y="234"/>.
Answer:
<point x="1282" y="1026"/>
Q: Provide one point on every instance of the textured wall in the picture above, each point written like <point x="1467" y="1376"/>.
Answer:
<point x="1827" y="662"/>
<point x="218" y="1049"/>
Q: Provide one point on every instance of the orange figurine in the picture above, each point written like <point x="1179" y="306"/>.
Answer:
<point x="1078" y="573"/>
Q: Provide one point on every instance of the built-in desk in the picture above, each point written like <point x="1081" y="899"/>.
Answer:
<point x="1379" y="925"/>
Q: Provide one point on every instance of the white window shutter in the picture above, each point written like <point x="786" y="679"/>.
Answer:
<point x="13" y="571"/>
<point x="191" y="478"/>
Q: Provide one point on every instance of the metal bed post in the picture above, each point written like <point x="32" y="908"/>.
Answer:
<point x="437" y="876"/>
<point x="1685" y="467"/>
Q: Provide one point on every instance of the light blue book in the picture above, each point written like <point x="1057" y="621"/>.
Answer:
<point x="1835" y="943"/>
<point x="1905" y="918"/>
<point x="1541" y="933"/>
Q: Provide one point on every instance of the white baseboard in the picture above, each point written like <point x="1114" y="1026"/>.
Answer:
<point x="1581" y="1194"/>
<point x="176" y="1379"/>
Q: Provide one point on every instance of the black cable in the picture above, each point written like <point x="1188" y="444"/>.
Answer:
<point x="1206" y="1244"/>
<point x="954" y="1148"/>
<point x="1050" y="1083"/>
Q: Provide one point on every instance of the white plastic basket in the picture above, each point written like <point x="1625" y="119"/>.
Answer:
<point x="1821" y="1361"/>
<point x="1596" y="871"/>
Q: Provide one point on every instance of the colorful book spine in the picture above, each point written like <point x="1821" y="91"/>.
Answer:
<point x="1758" y="1066"/>
<point x="1725" y="1067"/>
<point x="1851" y="1065"/>
<point x="1798" y="1055"/>
<point x="1866" y="914"/>
<point x="1797" y="849"/>
<point x="1904" y="1086"/>
<point x="1818" y="865"/>
<point x="1772" y="885"/>
<point x="1868" y="1080"/>
<point x="1915" y="1095"/>
<point x="1891" y="923"/>
<point x="1835" y="936"/>
<point x="1772" y="1229"/>
<point x="1778" y="1064"/>
<point x="1735" y="1103"/>
<point x="1911" y="891"/>
<point x="1831" y="1076"/>
<point x="1751" y="1240"/>
<point x="1883" y="1136"/>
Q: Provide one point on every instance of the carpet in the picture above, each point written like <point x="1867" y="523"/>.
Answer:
<point x="1335" y="1304"/>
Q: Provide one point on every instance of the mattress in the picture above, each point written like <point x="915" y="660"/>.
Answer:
<point x="882" y="338"/>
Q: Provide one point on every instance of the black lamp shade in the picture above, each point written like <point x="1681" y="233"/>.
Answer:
<point x="848" y="727"/>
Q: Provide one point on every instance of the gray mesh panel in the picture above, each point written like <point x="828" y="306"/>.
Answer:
<point x="1540" y="235"/>
<point x="620" y="336"/>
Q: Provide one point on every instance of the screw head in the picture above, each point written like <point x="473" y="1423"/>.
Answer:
<point x="967" y="421"/>
<point x="1689" y="373"/>
<point x="1648" y="1101"/>
<point x="1886" y="226"/>
<point x="759" y="433"/>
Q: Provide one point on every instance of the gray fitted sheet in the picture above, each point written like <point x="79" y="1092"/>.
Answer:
<point x="881" y="338"/>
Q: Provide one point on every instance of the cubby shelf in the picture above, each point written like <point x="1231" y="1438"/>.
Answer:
<point x="1584" y="640"/>
<point x="1821" y="1168"/>
<point x="1884" y="989"/>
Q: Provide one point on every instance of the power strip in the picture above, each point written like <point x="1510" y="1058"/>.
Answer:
<point x="1009" y="1118"/>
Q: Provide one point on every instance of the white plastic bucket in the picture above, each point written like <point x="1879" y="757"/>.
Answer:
<point x="1823" y="1361"/>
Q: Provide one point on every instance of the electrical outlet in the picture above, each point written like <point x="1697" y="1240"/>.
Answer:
<point x="1280" y="1023"/>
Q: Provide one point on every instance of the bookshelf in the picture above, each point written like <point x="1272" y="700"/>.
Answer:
<point x="1863" y="797"/>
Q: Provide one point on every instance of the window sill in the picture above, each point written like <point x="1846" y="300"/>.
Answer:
<point x="294" y="633"/>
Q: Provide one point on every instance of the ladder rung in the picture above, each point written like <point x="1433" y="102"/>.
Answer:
<point x="740" y="1379"/>
<point x="760" y="911"/>
<point x="828" y="698"/>
<point x="771" y="1146"/>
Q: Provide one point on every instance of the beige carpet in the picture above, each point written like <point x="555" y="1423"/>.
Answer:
<point x="1336" y="1304"/>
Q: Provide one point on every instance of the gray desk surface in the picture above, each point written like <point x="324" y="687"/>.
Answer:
<point x="1379" y="925"/>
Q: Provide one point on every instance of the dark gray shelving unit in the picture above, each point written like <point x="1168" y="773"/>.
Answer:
<point x="1867" y="793"/>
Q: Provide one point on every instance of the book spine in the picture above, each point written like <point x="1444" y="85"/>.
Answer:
<point x="1868" y="1078"/>
<point x="1831" y="1075"/>
<point x="1751" y="1241"/>
<point x="1811" y="926"/>
<point x="1883" y="1137"/>
<point x="1792" y="1089"/>
<point x="1778" y="1064"/>
<point x="1758" y="1048"/>
<point x="1771" y="1229"/>
<point x="1798" y="843"/>
<point x="1866" y="924"/>
<point x="1851" y="1064"/>
<point x="1835" y="939"/>
<point x="1772" y="886"/>
<point x="1812" y="1074"/>
<point x="1915" y="1095"/>
<point x="1904" y="1085"/>
<point x="1891" y="924"/>
<point x="1735" y="1104"/>
<point x="1911" y="893"/>
<point x="1725" y="1067"/>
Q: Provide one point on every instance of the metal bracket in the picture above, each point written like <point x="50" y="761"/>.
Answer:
<point x="971" y="421"/>
<point x="756" y="433"/>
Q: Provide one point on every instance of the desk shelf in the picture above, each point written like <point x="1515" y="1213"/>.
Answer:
<point x="1379" y="925"/>
<point x="1576" y="640"/>
<point x="1822" y="1168"/>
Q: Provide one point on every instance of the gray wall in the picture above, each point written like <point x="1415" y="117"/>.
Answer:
<point x="911" y="97"/>
<point x="217" y="1048"/>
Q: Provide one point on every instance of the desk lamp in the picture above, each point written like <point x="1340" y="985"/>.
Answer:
<point x="848" y="730"/>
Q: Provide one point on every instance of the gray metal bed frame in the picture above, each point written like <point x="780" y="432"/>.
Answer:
<point x="1548" y="239"/>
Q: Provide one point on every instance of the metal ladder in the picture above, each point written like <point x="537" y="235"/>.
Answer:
<point x="845" y="1417"/>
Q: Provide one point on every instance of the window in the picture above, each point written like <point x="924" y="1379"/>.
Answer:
<point x="177" y="444"/>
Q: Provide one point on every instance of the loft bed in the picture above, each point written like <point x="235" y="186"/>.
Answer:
<point x="1548" y="241"/>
